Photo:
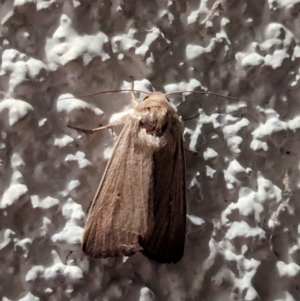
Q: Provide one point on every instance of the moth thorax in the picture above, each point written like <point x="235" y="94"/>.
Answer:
<point x="150" y="142"/>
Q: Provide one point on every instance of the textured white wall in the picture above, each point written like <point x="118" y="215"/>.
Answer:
<point x="240" y="244"/>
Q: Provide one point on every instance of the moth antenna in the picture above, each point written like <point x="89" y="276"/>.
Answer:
<point x="105" y="92"/>
<point x="132" y="88"/>
<point x="134" y="101"/>
<point x="208" y="93"/>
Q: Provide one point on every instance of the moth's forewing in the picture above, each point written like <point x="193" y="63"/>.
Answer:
<point x="166" y="244"/>
<point x="119" y="213"/>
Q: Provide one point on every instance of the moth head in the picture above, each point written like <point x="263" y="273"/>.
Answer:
<point x="155" y="115"/>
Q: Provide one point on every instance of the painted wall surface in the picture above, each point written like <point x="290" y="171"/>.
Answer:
<point x="243" y="226"/>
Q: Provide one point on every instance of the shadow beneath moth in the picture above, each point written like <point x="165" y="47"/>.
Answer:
<point x="140" y="204"/>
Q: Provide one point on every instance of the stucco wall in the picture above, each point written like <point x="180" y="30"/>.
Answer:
<point x="242" y="187"/>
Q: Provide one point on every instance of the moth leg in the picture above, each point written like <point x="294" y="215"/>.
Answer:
<point x="191" y="151"/>
<point x="134" y="101"/>
<point x="117" y="122"/>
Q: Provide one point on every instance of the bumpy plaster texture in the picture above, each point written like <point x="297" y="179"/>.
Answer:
<point x="242" y="187"/>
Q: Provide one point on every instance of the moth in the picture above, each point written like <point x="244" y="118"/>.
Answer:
<point x="140" y="204"/>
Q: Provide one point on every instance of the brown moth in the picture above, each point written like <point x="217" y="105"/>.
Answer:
<point x="140" y="204"/>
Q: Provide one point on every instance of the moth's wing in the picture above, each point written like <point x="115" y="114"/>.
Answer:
<point x="166" y="243"/>
<point x="120" y="211"/>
